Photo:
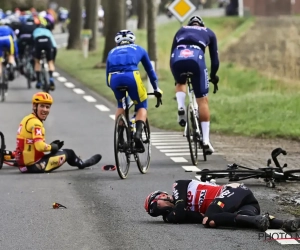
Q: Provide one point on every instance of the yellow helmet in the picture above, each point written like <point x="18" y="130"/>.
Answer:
<point x="42" y="97"/>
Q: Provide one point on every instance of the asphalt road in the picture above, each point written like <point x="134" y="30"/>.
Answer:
<point x="103" y="212"/>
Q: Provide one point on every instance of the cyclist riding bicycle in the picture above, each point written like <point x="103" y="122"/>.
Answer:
<point x="31" y="145"/>
<point x="187" y="55"/>
<point x="8" y="44"/>
<point x="231" y="205"/>
<point x="122" y="70"/>
<point x="25" y="38"/>
<point x="44" y="40"/>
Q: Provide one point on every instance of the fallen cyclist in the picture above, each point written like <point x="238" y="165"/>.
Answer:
<point x="231" y="205"/>
<point x="31" y="146"/>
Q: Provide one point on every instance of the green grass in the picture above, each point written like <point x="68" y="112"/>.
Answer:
<point x="247" y="103"/>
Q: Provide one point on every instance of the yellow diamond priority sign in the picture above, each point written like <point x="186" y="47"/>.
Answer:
<point x="182" y="9"/>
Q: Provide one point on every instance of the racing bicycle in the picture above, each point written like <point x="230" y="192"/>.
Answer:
<point x="269" y="174"/>
<point x="4" y="78"/>
<point x="124" y="146"/>
<point x="193" y="130"/>
<point x="44" y="76"/>
<point x="11" y="162"/>
<point x="27" y="66"/>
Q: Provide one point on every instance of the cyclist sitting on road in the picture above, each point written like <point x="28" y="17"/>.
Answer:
<point x="122" y="70"/>
<point x="8" y="44"/>
<point x="187" y="55"/>
<point x="25" y="37"/>
<point x="31" y="146"/>
<point x="44" y="40"/>
<point x="231" y="205"/>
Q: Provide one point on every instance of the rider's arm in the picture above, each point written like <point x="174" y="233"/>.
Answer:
<point x="37" y="135"/>
<point x="178" y="214"/>
<point x="107" y="68"/>
<point x="12" y="33"/>
<point x="149" y="69"/>
<point x="174" y="43"/>
<point x="52" y="39"/>
<point x="213" y="52"/>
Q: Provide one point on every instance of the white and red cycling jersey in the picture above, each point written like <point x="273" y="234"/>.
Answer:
<point x="201" y="194"/>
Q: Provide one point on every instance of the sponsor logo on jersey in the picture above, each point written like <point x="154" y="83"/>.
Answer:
<point x="186" y="53"/>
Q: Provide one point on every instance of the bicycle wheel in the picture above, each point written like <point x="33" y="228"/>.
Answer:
<point x="2" y="84"/>
<point x="122" y="146"/>
<point x="201" y="142"/>
<point x="28" y="74"/>
<point x="46" y="85"/>
<point x="292" y="175"/>
<point x="191" y="134"/>
<point x="2" y="148"/>
<point x="143" y="159"/>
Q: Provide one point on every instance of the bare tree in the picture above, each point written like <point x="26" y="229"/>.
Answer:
<point x="75" y="24"/>
<point x="91" y="21"/>
<point x="114" y="21"/>
<point x="142" y="14"/>
<point x="151" y="30"/>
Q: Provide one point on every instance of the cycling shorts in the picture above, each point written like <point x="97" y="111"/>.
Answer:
<point x="6" y="45"/>
<point x="47" y="163"/>
<point x="136" y="89"/>
<point x="188" y="58"/>
<point x="44" y="43"/>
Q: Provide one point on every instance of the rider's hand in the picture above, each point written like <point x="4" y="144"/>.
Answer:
<point x="214" y="79"/>
<point x="59" y="143"/>
<point x="158" y="93"/>
<point x="54" y="148"/>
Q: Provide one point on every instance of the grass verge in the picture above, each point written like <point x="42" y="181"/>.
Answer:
<point x="247" y="103"/>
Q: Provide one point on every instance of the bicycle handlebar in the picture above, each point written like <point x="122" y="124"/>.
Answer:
<point x="275" y="153"/>
<point x="158" y="100"/>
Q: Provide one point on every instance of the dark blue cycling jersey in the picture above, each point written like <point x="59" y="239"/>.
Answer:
<point x="7" y="33"/>
<point x="202" y="37"/>
<point x="126" y="58"/>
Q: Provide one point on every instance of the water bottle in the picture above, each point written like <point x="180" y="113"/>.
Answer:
<point x="132" y="124"/>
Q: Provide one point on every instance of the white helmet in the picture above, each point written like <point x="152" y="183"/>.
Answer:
<point x="124" y="36"/>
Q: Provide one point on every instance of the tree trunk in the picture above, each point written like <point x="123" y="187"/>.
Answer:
<point x="74" y="41"/>
<point x="114" y="20"/>
<point x="91" y="21"/>
<point x="151" y="30"/>
<point x="142" y="14"/>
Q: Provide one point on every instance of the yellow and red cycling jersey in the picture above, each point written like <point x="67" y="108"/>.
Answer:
<point x="31" y="141"/>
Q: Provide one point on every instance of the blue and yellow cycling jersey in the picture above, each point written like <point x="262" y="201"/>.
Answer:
<point x="125" y="58"/>
<point x="44" y="32"/>
<point x="8" y="41"/>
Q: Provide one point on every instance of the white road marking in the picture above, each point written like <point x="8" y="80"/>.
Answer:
<point x="174" y="150"/>
<point x="102" y="107"/>
<point x="168" y="143"/>
<point x="69" y="85"/>
<point x="280" y="236"/>
<point x="162" y="136"/>
<point x="56" y="74"/>
<point x="89" y="98"/>
<point x="78" y="91"/>
<point x="178" y="159"/>
<point x="165" y="147"/>
<point x="191" y="168"/>
<point x="112" y="117"/>
<point x="61" y="79"/>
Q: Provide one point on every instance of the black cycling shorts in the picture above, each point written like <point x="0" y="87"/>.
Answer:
<point x="43" y="43"/>
<point x="233" y="199"/>
<point x="22" y="42"/>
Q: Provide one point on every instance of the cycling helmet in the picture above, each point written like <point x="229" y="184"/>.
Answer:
<point x="5" y="21"/>
<point x="151" y="204"/>
<point x="42" y="97"/>
<point x="124" y="36"/>
<point x="196" y="19"/>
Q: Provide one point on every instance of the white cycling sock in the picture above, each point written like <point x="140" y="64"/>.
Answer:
<point x="205" y="131"/>
<point x="180" y="96"/>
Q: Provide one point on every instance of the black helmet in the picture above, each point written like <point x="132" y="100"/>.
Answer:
<point x="196" y="19"/>
<point x="150" y="205"/>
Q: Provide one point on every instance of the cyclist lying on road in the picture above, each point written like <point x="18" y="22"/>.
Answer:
<point x="31" y="146"/>
<point x="231" y="205"/>
<point x="122" y="70"/>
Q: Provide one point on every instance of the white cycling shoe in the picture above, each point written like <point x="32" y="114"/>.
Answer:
<point x="208" y="148"/>
<point x="181" y="117"/>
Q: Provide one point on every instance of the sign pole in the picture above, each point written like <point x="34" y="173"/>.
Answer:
<point x="86" y="35"/>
